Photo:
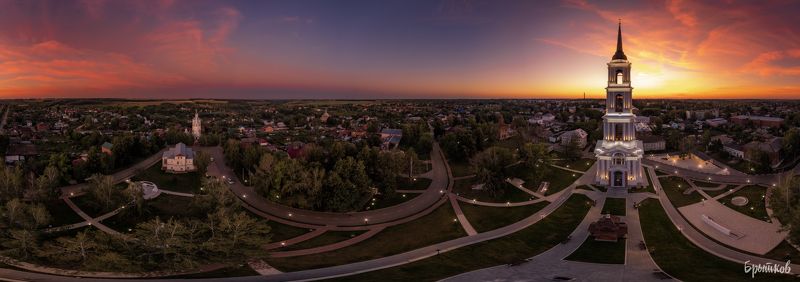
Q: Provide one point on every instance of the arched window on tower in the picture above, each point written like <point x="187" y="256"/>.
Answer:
<point x="618" y="158"/>
<point x="618" y="132"/>
<point x="619" y="102"/>
<point x="620" y="77"/>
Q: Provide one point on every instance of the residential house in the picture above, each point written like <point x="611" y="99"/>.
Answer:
<point x="578" y="136"/>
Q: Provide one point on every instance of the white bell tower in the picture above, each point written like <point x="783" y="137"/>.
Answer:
<point x="196" y="127"/>
<point x="619" y="154"/>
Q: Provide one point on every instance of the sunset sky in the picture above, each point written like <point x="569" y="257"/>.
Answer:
<point x="395" y="49"/>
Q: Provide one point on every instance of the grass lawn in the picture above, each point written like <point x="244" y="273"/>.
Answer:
<point x="164" y="207"/>
<point x="660" y="173"/>
<point x="600" y="252"/>
<point x="326" y="238"/>
<point x="513" y="143"/>
<point x="558" y="178"/>
<point x="509" y="193"/>
<point x="230" y="271"/>
<point x="755" y="207"/>
<point x="186" y="182"/>
<point x="648" y="188"/>
<point x="680" y="258"/>
<point x="783" y="252"/>
<point x="714" y="193"/>
<point x="61" y="213"/>
<point x="390" y="200"/>
<point x="490" y="218"/>
<point x="435" y="227"/>
<point x="281" y="232"/>
<point x="704" y="184"/>
<point x="460" y="168"/>
<point x="580" y="164"/>
<point x="674" y="187"/>
<point x="525" y="243"/>
<point x="405" y="183"/>
<point x="584" y="187"/>
<point x="614" y="206"/>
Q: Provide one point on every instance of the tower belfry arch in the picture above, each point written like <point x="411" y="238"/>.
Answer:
<point x="619" y="154"/>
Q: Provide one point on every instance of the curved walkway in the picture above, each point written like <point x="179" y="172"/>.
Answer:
<point x="119" y="176"/>
<point x="301" y="217"/>
<point x="700" y="240"/>
<point x="763" y="179"/>
<point x="499" y="205"/>
<point x="329" y="247"/>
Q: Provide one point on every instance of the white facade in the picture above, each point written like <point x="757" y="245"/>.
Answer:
<point x="619" y="154"/>
<point x="179" y="159"/>
<point x="196" y="128"/>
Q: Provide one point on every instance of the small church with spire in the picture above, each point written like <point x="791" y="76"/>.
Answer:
<point x="619" y="153"/>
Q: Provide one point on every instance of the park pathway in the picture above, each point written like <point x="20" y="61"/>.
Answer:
<point x="700" y="240"/>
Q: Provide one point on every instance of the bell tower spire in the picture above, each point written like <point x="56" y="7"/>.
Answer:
<point x="619" y="55"/>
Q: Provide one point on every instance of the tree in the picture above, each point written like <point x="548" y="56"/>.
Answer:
<point x="10" y="182"/>
<point x="43" y="187"/>
<point x="572" y="150"/>
<point x="491" y="167"/>
<point x="21" y="242"/>
<point x="201" y="161"/>
<point x="15" y="212"/>
<point x="101" y="189"/>
<point x="39" y="215"/>
<point x="791" y="143"/>
<point x="345" y="186"/>
<point x="534" y="157"/>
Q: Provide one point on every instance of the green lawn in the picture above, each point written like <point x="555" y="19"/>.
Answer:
<point x="580" y="164"/>
<point x="614" y="206"/>
<point x="489" y="218"/>
<point x="164" y="207"/>
<point x="230" y="271"/>
<point x="680" y="258"/>
<point x="783" y="252"/>
<point x="435" y="227"/>
<point x="674" y="187"/>
<point x="382" y="201"/>
<point x="600" y="252"/>
<point x="525" y="243"/>
<point x="704" y="184"/>
<point x="508" y="193"/>
<point x="61" y="213"/>
<point x="405" y="183"/>
<point x="326" y="238"/>
<point x="755" y="207"/>
<point x="660" y="173"/>
<point x="584" y="187"/>
<point x="558" y="178"/>
<point x="185" y="182"/>
<point x="513" y="143"/>
<point x="460" y="168"/>
<point x="648" y="188"/>
<point x="714" y="193"/>
<point x="281" y="232"/>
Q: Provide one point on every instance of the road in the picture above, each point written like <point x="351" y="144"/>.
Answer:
<point x="122" y="175"/>
<point x="436" y="190"/>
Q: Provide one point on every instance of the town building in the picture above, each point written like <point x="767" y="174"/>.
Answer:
<point x="178" y="159"/>
<point x="760" y="121"/>
<point x="391" y="137"/>
<point x="653" y="143"/>
<point x="20" y="152"/>
<point x="107" y="148"/>
<point x="716" y="122"/>
<point x="578" y="136"/>
<point x="619" y="154"/>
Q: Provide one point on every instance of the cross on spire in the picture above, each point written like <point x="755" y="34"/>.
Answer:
<point x="619" y="55"/>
